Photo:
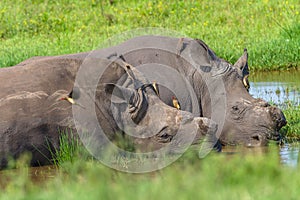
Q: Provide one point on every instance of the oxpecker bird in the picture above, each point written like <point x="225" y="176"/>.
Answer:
<point x="72" y="96"/>
<point x="176" y="102"/>
<point x="154" y="84"/>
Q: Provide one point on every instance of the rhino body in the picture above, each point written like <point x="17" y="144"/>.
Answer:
<point x="33" y="116"/>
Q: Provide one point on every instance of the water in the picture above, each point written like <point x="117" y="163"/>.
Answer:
<point x="277" y="87"/>
<point x="289" y="154"/>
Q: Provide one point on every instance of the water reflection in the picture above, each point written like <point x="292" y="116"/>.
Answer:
<point x="275" y="92"/>
<point x="289" y="154"/>
<point x="277" y="87"/>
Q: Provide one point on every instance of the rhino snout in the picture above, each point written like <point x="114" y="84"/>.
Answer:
<point x="277" y="115"/>
<point x="278" y="118"/>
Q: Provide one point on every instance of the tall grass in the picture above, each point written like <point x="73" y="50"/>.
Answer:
<point x="70" y="149"/>
<point x="269" y="29"/>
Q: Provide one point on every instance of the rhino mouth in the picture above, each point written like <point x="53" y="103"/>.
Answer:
<point x="261" y="138"/>
<point x="277" y="137"/>
<point x="256" y="140"/>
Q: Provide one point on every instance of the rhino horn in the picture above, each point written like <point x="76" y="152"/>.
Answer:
<point x="243" y="69"/>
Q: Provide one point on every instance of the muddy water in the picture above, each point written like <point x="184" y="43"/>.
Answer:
<point x="36" y="174"/>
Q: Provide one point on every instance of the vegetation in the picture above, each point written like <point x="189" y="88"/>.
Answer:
<point x="292" y="129"/>
<point x="269" y="29"/>
<point x="218" y="176"/>
<point x="71" y="149"/>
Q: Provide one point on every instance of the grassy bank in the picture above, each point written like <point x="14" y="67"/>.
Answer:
<point x="215" y="177"/>
<point x="269" y="29"/>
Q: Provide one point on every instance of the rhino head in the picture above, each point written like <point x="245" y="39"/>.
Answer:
<point x="151" y="124"/>
<point x="249" y="121"/>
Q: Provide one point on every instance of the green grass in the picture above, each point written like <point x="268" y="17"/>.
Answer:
<point x="292" y="129"/>
<point x="70" y="149"/>
<point x="215" y="177"/>
<point x="269" y="29"/>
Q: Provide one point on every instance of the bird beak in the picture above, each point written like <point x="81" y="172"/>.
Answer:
<point x="70" y="100"/>
<point x="62" y="98"/>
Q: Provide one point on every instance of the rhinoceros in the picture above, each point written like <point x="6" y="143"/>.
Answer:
<point x="122" y="99"/>
<point x="204" y="84"/>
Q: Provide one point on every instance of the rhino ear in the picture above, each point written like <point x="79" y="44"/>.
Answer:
<point x="242" y="64"/>
<point x="118" y="93"/>
<point x="243" y="69"/>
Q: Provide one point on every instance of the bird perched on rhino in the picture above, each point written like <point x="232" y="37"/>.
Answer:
<point x="154" y="84"/>
<point x="72" y="96"/>
<point x="176" y="103"/>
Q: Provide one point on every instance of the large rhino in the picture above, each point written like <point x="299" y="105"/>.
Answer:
<point x="219" y="90"/>
<point x="32" y="112"/>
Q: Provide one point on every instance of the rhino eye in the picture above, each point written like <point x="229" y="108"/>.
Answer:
<point x="235" y="108"/>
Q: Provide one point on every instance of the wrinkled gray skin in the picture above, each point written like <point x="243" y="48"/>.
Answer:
<point x="32" y="114"/>
<point x="220" y="87"/>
